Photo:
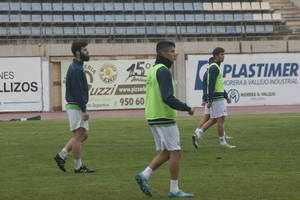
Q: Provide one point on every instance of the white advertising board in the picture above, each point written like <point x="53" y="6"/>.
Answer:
<point x="20" y="84"/>
<point x="113" y="84"/>
<point x="249" y="79"/>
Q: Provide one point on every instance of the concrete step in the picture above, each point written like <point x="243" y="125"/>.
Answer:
<point x="292" y="23"/>
<point x="290" y="11"/>
<point x="289" y="17"/>
<point x="277" y="1"/>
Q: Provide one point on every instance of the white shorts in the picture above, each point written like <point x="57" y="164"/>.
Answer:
<point x="206" y="110"/>
<point x="218" y="109"/>
<point x="76" y="121"/>
<point x="166" y="138"/>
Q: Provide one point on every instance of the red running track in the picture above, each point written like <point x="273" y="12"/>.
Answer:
<point x="140" y="113"/>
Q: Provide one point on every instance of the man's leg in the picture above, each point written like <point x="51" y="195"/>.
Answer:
<point x="220" y="126"/>
<point x="199" y="130"/>
<point x="80" y="135"/>
<point x="196" y="137"/>
<point x="221" y="133"/>
<point x="159" y="159"/>
<point x="174" y="162"/>
<point x="142" y="178"/>
<point x="174" y="166"/>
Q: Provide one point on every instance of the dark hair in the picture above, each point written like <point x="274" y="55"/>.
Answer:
<point x="217" y="51"/>
<point x="211" y="60"/>
<point x="77" y="45"/>
<point x="164" y="45"/>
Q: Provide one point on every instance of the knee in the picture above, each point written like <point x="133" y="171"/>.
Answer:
<point x="176" y="153"/>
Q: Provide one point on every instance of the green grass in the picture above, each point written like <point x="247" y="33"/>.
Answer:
<point x="265" y="166"/>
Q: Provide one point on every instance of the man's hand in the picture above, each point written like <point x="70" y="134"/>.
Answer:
<point x="85" y="116"/>
<point x="209" y="104"/>
<point x="228" y="100"/>
<point x="191" y="112"/>
<point x="203" y="103"/>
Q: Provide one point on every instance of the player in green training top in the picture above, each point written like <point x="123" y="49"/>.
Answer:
<point x="160" y="110"/>
<point x="216" y="102"/>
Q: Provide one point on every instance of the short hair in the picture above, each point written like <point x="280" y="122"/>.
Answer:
<point x="77" y="45"/>
<point x="217" y="51"/>
<point x="163" y="46"/>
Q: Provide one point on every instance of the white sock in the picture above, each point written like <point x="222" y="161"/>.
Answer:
<point x="174" y="186"/>
<point x="77" y="164"/>
<point x="199" y="132"/>
<point x="63" y="154"/>
<point x="147" y="172"/>
<point x="222" y="140"/>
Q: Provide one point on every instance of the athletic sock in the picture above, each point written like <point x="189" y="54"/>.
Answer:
<point x="222" y="140"/>
<point x="77" y="164"/>
<point x="199" y="132"/>
<point x="63" y="154"/>
<point x="147" y="172"/>
<point x="174" y="186"/>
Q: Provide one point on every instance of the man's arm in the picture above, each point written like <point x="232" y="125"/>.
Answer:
<point x="77" y="85"/>
<point x="164" y="79"/>
<point x="213" y="74"/>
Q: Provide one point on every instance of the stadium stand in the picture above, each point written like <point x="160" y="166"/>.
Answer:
<point x="137" y="19"/>
<point x="291" y="15"/>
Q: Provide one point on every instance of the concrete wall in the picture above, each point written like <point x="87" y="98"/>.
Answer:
<point x="56" y="52"/>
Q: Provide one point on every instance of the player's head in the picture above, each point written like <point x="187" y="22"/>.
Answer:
<point x="218" y="54"/>
<point x="166" y="49"/>
<point x="79" y="50"/>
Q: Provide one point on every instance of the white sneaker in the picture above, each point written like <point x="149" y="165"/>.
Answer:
<point x="226" y="145"/>
<point x="195" y="139"/>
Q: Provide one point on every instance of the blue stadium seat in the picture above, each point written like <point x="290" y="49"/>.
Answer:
<point x="36" y="31"/>
<point x="4" y="6"/>
<point x="171" y="30"/>
<point x="140" y="30"/>
<point x="88" y="6"/>
<point x="231" y="29"/>
<point x="47" y="18"/>
<point x="36" y="6"/>
<point x="130" y="30"/>
<point x="57" y="6"/>
<point x="140" y="7"/>
<point x="46" y="6"/>
<point x="119" y="6"/>
<point x="36" y="18"/>
<point x="103" y="18"/>
<point x="3" y="31"/>
<point x="4" y="18"/>
<point x="158" y="6"/>
<point x="78" y="6"/>
<point x="26" y="30"/>
<point x="168" y="6"/>
<point x="151" y="30"/>
<point x="25" y="18"/>
<point x="15" y="6"/>
<point x="128" y="6"/>
<point x="89" y="30"/>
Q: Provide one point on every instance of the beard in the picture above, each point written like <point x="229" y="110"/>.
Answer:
<point x="84" y="58"/>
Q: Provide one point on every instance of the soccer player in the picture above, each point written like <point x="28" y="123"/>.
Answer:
<point x="160" y="110"/>
<point x="215" y="100"/>
<point x="200" y="128"/>
<point x="77" y="97"/>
